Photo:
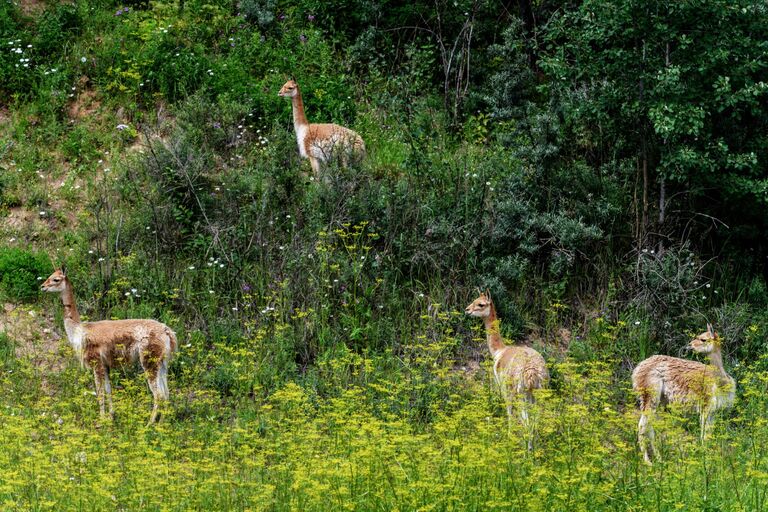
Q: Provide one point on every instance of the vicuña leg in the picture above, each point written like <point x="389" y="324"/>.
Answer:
<point x="525" y="403"/>
<point x="705" y="422"/>
<point x="646" y="436"/>
<point x="99" y="374"/>
<point x="162" y="380"/>
<point x="108" y="392"/>
<point x="315" y="163"/>
<point x="155" y="388"/>
<point x="510" y="415"/>
<point x="151" y="360"/>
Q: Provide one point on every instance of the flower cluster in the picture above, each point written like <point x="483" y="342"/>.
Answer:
<point x="19" y="49"/>
<point x="213" y="263"/>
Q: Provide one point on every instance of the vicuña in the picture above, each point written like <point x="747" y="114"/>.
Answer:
<point x="664" y="379"/>
<point x="321" y="143"/>
<point x="105" y="344"/>
<point x="518" y="369"/>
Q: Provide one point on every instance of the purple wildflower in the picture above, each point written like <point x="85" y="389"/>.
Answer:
<point x="281" y="17"/>
<point x="303" y="38"/>
<point x="119" y="12"/>
<point x="311" y="17"/>
<point x="217" y="125"/>
<point x="122" y="127"/>
<point x="246" y="288"/>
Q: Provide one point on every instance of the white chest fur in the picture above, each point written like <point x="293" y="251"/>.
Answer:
<point x="76" y="335"/>
<point x="302" y="131"/>
<point x="724" y="395"/>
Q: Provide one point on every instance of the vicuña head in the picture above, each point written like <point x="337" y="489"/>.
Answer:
<point x="289" y="89"/>
<point x="481" y="306"/>
<point x="102" y="345"/>
<point x="56" y="282"/>
<point x="665" y="379"/>
<point x="321" y="143"/>
<point x="518" y="370"/>
<point x="705" y="342"/>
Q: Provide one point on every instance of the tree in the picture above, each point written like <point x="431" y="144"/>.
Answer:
<point x="674" y="91"/>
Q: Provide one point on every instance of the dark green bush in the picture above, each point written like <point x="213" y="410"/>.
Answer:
<point x="56" y="27"/>
<point x="19" y="273"/>
<point x="7" y="353"/>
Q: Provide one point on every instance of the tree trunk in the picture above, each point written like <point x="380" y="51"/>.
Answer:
<point x="644" y="226"/>
<point x="662" y="210"/>
<point x="529" y="25"/>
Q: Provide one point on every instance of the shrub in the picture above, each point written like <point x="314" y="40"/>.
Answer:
<point x="7" y="353"/>
<point x="668" y="290"/>
<point x="13" y="74"/>
<point x="19" y="272"/>
<point x="261" y="12"/>
<point x="56" y="27"/>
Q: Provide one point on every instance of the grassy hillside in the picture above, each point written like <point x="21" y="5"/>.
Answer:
<point x="612" y="203"/>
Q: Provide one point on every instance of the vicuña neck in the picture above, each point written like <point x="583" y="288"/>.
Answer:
<point x="492" y="331"/>
<point x="299" y="118"/>
<point x="716" y="360"/>
<point x="70" y="309"/>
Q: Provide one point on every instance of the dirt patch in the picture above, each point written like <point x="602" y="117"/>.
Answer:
<point x="31" y="7"/>
<point x="5" y="116"/>
<point x="60" y="206"/>
<point x="19" y="218"/>
<point x="139" y="145"/>
<point x="30" y="225"/>
<point x="86" y="104"/>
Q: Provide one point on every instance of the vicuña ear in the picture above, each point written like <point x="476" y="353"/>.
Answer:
<point x="63" y="269"/>
<point x="488" y="293"/>
<point x="709" y="328"/>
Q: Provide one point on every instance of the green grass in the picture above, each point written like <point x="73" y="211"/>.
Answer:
<point x="296" y="450"/>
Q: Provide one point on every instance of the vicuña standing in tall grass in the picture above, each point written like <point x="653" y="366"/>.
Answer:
<point x="321" y="142"/>
<point x="105" y="344"/>
<point x="518" y="369"/>
<point x="665" y="379"/>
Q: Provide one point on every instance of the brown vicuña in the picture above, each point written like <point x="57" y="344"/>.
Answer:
<point x="105" y="344"/>
<point x="664" y="379"/>
<point x="518" y="369"/>
<point x="321" y="143"/>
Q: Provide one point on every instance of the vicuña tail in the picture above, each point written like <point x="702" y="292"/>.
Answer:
<point x="532" y="377"/>
<point x="172" y="337"/>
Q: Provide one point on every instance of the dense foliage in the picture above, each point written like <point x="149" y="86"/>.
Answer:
<point x="19" y="270"/>
<point x="600" y="166"/>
